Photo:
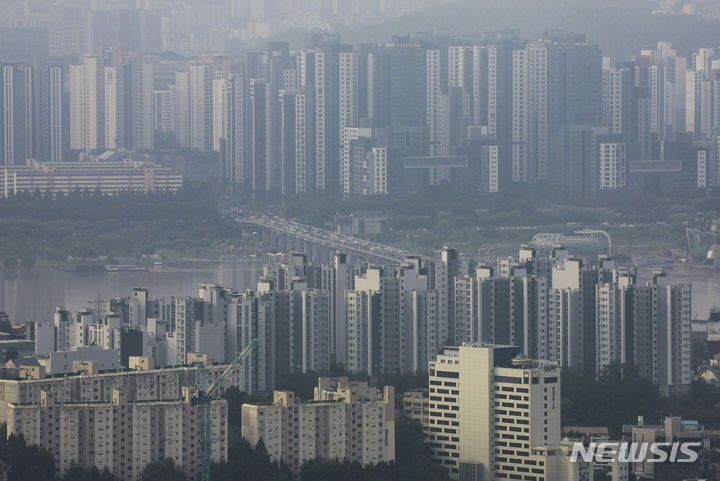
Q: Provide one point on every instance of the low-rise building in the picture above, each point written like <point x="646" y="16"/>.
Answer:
<point x="673" y="429"/>
<point x="345" y="420"/>
<point x="93" y="175"/>
<point x="15" y="348"/>
<point x="61" y="362"/>
<point x="416" y="406"/>
<point x="119" y="434"/>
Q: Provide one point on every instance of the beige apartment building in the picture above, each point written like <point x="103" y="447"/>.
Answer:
<point x="345" y="420"/>
<point x="495" y="414"/>
<point x="416" y="406"/>
<point x="150" y="385"/>
<point x="120" y="435"/>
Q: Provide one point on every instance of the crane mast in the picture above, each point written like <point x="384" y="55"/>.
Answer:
<point x="203" y="397"/>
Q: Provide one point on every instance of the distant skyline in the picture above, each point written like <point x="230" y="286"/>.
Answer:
<point x="188" y="26"/>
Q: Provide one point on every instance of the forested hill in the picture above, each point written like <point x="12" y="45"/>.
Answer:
<point x="619" y="27"/>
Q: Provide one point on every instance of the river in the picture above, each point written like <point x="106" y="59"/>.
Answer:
<point x="34" y="294"/>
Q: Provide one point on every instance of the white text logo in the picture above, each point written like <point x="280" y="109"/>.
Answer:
<point x="624" y="452"/>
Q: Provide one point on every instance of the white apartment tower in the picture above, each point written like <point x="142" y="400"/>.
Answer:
<point x="229" y="125"/>
<point x="293" y="142"/>
<point x="201" y="106"/>
<point x="116" y="102"/>
<point x="537" y="110"/>
<point x="613" y="165"/>
<point x="612" y="96"/>
<point x="220" y="100"/>
<point x="182" y="109"/>
<point x="57" y="107"/>
<point x="434" y="112"/>
<point x="315" y="333"/>
<point x="667" y="82"/>
<point x="348" y="91"/>
<point x="378" y="171"/>
<point x="87" y="104"/>
<point x="164" y="110"/>
<point x="321" y="168"/>
<point x="141" y="134"/>
<point x="519" y="116"/>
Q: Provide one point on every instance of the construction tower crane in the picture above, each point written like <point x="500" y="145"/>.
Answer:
<point x="203" y="396"/>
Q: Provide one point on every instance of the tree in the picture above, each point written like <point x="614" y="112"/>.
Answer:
<point x="248" y="463"/>
<point x="23" y="462"/>
<point x="331" y="470"/>
<point x="412" y="454"/>
<point x="162" y="470"/>
<point x="235" y="399"/>
<point x="617" y="397"/>
<point x="77" y="473"/>
<point x="5" y="326"/>
<point x="699" y="350"/>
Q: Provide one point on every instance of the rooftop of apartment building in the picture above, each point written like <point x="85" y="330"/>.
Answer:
<point x="503" y="356"/>
<point x="8" y="371"/>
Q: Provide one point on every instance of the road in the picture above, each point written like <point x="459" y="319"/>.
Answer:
<point x="323" y="237"/>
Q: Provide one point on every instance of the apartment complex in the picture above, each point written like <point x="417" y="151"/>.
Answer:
<point x="386" y="319"/>
<point x="489" y="113"/>
<point x="119" y="434"/>
<point x="150" y="385"/>
<point x="345" y="420"/>
<point x="96" y="175"/>
<point x="583" y="316"/>
<point x="495" y="414"/>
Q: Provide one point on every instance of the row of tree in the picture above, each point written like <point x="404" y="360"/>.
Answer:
<point x="619" y="395"/>
<point x="194" y="200"/>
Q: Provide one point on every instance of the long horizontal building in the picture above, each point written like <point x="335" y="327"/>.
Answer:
<point x="136" y="385"/>
<point x="119" y="434"/>
<point x="105" y="176"/>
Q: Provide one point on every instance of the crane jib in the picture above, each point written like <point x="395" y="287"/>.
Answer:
<point x="203" y="398"/>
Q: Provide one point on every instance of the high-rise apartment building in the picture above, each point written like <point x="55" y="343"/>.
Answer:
<point x="200" y="108"/>
<point x="234" y="129"/>
<point x="181" y="102"/>
<point x="348" y="91"/>
<point x="293" y="148"/>
<point x="116" y="108"/>
<point x="495" y="414"/>
<point x="56" y="121"/>
<point x="646" y="325"/>
<point x="87" y="104"/>
<point x="664" y="74"/>
<point x="258" y="146"/>
<point x="140" y="87"/>
<point x="613" y="165"/>
<point x="18" y="113"/>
